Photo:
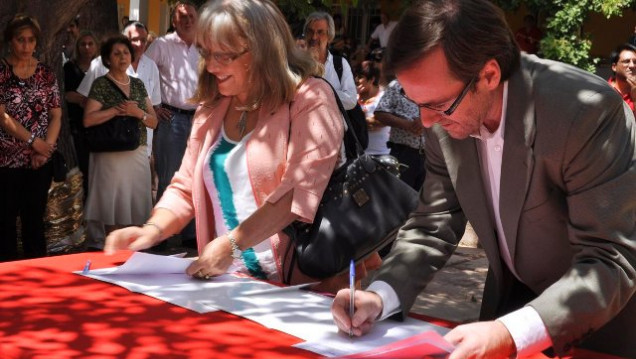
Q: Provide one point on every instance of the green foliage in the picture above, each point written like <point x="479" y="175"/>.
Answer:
<point x="564" y="38"/>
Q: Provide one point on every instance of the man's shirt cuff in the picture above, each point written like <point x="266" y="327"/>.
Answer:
<point x="390" y="300"/>
<point x="527" y="330"/>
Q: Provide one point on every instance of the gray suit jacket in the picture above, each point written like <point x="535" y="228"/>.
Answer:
<point x="567" y="203"/>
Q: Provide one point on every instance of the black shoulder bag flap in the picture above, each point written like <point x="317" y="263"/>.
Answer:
<point x="121" y="133"/>
<point x="361" y="210"/>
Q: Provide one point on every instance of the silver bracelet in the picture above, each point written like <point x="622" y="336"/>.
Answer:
<point x="236" y="251"/>
<point x="31" y="139"/>
<point x="152" y="224"/>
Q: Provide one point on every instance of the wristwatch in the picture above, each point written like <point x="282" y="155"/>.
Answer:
<point x="236" y="251"/>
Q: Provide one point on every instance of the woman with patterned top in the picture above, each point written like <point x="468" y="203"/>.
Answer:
<point x="119" y="182"/>
<point x="30" y="119"/>
<point x="406" y="140"/>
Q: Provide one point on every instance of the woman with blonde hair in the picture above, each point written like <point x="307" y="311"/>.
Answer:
<point x="265" y="140"/>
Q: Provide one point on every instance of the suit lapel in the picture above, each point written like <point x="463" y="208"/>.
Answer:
<point x="518" y="157"/>
<point x="464" y="169"/>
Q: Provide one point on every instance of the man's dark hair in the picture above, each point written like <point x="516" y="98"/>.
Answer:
<point x="182" y="3"/>
<point x="369" y="72"/>
<point x="470" y="32"/>
<point x="616" y="54"/>
<point x="108" y="45"/>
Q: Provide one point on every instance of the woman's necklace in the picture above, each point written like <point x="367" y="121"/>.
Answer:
<point x="22" y="79"/>
<point x="241" y="125"/>
<point x="119" y="82"/>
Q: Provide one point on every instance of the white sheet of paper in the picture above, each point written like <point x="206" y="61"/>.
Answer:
<point x="302" y="314"/>
<point x="331" y="343"/>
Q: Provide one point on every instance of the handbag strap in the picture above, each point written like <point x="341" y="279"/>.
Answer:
<point x="117" y="87"/>
<point x="350" y="131"/>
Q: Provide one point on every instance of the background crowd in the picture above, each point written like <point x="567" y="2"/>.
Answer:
<point x="238" y="120"/>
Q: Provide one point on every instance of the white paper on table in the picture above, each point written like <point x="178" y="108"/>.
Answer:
<point x="302" y="314"/>
<point x="332" y="343"/>
<point x="147" y="264"/>
<point x="164" y="278"/>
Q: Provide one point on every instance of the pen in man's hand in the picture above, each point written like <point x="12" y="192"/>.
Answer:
<point x="352" y="293"/>
<point x="87" y="267"/>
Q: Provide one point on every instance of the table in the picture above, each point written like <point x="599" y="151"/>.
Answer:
<point x="48" y="312"/>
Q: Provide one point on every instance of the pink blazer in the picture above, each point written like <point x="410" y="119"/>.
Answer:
<point x="295" y="147"/>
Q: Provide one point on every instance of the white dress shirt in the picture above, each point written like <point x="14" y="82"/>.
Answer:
<point x="525" y="325"/>
<point x="382" y="33"/>
<point x="346" y="86"/>
<point x="178" y="68"/>
<point x="147" y="72"/>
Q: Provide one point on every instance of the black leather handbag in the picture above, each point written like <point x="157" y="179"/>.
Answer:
<point x="361" y="210"/>
<point x="121" y="133"/>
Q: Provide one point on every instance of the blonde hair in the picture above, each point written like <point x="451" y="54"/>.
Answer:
<point x="278" y="65"/>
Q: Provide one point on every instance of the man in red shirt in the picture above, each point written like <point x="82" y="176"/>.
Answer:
<point x="529" y="36"/>
<point x="624" y="67"/>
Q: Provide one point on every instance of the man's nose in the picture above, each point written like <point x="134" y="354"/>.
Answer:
<point x="428" y="117"/>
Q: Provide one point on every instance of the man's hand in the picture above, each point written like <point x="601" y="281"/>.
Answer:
<point x="481" y="340"/>
<point x="163" y="113"/>
<point x="368" y="307"/>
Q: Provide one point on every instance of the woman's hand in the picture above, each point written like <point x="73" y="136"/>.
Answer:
<point x="373" y="124"/>
<point x="42" y="147"/>
<point x="130" y="108"/>
<point x="416" y="127"/>
<point x="132" y="238"/>
<point x="215" y="259"/>
<point x="38" y="160"/>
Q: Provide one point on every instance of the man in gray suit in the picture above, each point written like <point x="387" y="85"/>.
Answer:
<point x="540" y="157"/>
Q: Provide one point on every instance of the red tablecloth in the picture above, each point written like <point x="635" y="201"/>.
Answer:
<point x="48" y="312"/>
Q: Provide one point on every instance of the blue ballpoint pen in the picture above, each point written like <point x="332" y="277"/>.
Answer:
<point x="352" y="292"/>
<point x="87" y="267"/>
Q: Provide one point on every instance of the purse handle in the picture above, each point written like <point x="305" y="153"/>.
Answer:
<point x="359" y="151"/>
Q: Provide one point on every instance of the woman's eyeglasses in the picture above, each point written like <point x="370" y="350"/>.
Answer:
<point x="221" y="58"/>
<point x="452" y="107"/>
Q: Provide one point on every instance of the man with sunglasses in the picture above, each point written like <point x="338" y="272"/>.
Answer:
<point x="177" y="58"/>
<point x="540" y="157"/>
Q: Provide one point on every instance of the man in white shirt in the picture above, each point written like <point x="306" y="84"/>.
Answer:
<point x="382" y="32"/>
<point x="177" y="58"/>
<point x="142" y="68"/>
<point x="541" y="158"/>
<point x="319" y="32"/>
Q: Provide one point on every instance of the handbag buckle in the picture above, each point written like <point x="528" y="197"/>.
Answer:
<point x="360" y="197"/>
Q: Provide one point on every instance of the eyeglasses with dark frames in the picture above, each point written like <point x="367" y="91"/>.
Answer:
<point x="222" y="58"/>
<point x="452" y="107"/>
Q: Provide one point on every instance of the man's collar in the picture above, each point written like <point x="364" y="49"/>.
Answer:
<point x="484" y="134"/>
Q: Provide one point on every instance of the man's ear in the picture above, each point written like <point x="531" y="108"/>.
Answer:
<point x="491" y="74"/>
